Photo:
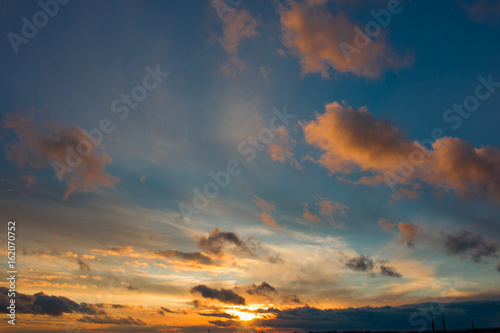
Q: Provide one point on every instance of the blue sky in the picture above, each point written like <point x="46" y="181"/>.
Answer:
<point x="320" y="186"/>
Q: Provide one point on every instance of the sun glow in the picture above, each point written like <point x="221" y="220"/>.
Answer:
<point x="245" y="315"/>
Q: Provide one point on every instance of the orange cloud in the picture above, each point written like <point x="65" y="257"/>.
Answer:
<point x="39" y="145"/>
<point x="311" y="217"/>
<point x="30" y="180"/>
<point x="353" y="140"/>
<point x="265" y="215"/>
<point x="482" y="11"/>
<point x="237" y="25"/>
<point x="409" y="231"/>
<point x="314" y="35"/>
<point x="329" y="207"/>
<point x="386" y="225"/>
<point x="280" y="148"/>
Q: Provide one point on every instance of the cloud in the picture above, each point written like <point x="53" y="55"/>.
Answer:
<point x="263" y="289"/>
<point x="219" y="241"/>
<point x="386" y="225"/>
<point x="361" y="263"/>
<point x="195" y="257"/>
<point x="292" y="298"/>
<point x="325" y="208"/>
<point x="365" y="264"/>
<point x="223" y="295"/>
<point x="314" y="35"/>
<point x="225" y="323"/>
<point x="468" y="245"/>
<point x="482" y="11"/>
<point x="112" y="320"/>
<point x="29" y="179"/>
<point x="329" y="208"/>
<point x="280" y="149"/>
<point x="39" y="145"/>
<point x="164" y="310"/>
<point x="353" y="140"/>
<point x="125" y="251"/>
<point x="409" y="231"/>
<point x="43" y="304"/>
<point x="386" y="318"/>
<point x="389" y="271"/>
<point x="237" y="25"/>
<point x="265" y="214"/>
<point x="219" y="314"/>
<point x="83" y="265"/>
<point x="311" y="217"/>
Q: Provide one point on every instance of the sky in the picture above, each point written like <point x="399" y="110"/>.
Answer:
<point x="237" y="165"/>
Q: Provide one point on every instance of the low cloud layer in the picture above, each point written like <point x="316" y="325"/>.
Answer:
<point x="43" y="304"/>
<point x="399" y="318"/>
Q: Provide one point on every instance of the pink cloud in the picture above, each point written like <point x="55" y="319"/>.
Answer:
<point x="314" y="35"/>
<point x="353" y="140"/>
<point x="265" y="214"/>
<point x="39" y="145"/>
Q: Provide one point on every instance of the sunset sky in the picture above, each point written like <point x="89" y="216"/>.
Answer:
<point x="239" y="165"/>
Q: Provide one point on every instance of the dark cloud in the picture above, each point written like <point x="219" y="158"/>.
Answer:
<point x="275" y="259"/>
<point x="219" y="314"/>
<point x="218" y="241"/>
<point x="389" y="271"/>
<point x="132" y="288"/>
<point x="43" y="304"/>
<point x="291" y="299"/>
<point x="262" y="289"/>
<point x="196" y="257"/>
<point x="408" y="233"/>
<point x="364" y="263"/>
<point x="401" y="318"/>
<point x="164" y="310"/>
<point x="361" y="263"/>
<point x="112" y="320"/>
<point x="222" y="295"/>
<point x="83" y="265"/>
<point x="468" y="245"/>
<point x="225" y="323"/>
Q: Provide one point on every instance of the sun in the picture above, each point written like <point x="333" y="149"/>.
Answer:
<point x="246" y="315"/>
